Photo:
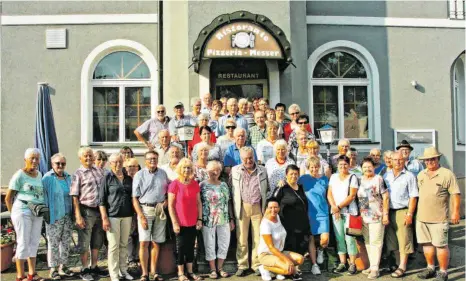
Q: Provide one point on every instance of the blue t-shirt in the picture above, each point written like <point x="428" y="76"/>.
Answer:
<point x="379" y="169"/>
<point x="316" y="193"/>
<point x="232" y="157"/>
<point x="29" y="189"/>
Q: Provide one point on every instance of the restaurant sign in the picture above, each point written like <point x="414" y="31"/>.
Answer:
<point x="242" y="40"/>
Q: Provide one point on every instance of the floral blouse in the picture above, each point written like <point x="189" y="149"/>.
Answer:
<point x="276" y="173"/>
<point x="370" y="198"/>
<point x="214" y="203"/>
<point x="200" y="174"/>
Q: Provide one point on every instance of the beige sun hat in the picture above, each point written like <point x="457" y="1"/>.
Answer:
<point x="430" y="152"/>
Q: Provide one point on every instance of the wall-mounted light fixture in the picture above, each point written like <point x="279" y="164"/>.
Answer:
<point x="414" y="83"/>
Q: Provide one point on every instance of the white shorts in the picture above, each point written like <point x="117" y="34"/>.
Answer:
<point x="156" y="228"/>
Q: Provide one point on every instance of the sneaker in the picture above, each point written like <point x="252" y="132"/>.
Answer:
<point x="352" y="269"/>
<point x="280" y="277"/>
<point x="315" y="270"/>
<point x="86" y="274"/>
<point x="265" y="274"/>
<point x="240" y="272"/>
<point x="100" y="272"/>
<point x="65" y="271"/>
<point x="54" y="275"/>
<point x="374" y="274"/>
<point x="297" y="277"/>
<point x="257" y="272"/>
<point x="426" y="273"/>
<point x="366" y="271"/>
<point x="126" y="276"/>
<point x="340" y="268"/>
<point x="320" y="256"/>
<point x="441" y="276"/>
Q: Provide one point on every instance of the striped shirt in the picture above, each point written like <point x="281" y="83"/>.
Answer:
<point x="85" y="185"/>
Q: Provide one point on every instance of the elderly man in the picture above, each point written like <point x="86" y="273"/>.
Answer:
<point x="249" y="188"/>
<point x="343" y="148"/>
<point x="232" y="156"/>
<point x="411" y="164"/>
<point x="196" y="107"/>
<point x="436" y="186"/>
<point x="85" y="192"/>
<point x="243" y="110"/>
<point x="175" y="154"/>
<point x="150" y="186"/>
<point x="376" y="155"/>
<point x="258" y="132"/>
<point x="179" y="120"/>
<point x="152" y="127"/>
<point x="206" y="103"/>
<point x="163" y="146"/>
<point x="402" y="187"/>
<point x="232" y="106"/>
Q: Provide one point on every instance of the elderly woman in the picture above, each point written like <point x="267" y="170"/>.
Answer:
<point x="315" y="187"/>
<point x="299" y="152"/>
<point x="57" y="184"/>
<point x="243" y="111"/>
<point x="342" y="190"/>
<point x="224" y="110"/>
<point x="185" y="207"/>
<point x="374" y="204"/>
<point x="26" y="187"/>
<point x="203" y="121"/>
<point x="271" y="252"/>
<point x="100" y="159"/>
<point x="276" y="166"/>
<point x="295" y="112"/>
<point x="217" y="219"/>
<point x="387" y="158"/>
<point x="265" y="146"/>
<point x="200" y="166"/>
<point x="215" y="116"/>
<point x="116" y="210"/>
<point x="313" y="149"/>
<point x="354" y="168"/>
<point x="270" y="114"/>
<point x="228" y="139"/>
<point x="263" y="104"/>
<point x="343" y="148"/>
<point x="131" y="166"/>
<point x="303" y="127"/>
<point x="175" y="154"/>
<point x="215" y="151"/>
<point x="293" y="211"/>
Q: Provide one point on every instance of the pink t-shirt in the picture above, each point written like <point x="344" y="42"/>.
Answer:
<point x="185" y="201"/>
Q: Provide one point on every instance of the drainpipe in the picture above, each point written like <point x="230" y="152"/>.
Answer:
<point x="160" y="48"/>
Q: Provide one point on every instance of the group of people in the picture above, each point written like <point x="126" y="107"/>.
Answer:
<point x="247" y="167"/>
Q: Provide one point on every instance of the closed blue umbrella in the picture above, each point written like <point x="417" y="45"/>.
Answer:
<point x="45" y="135"/>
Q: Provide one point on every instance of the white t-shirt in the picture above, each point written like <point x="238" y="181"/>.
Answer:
<point x="340" y="191"/>
<point x="278" y="233"/>
<point x="264" y="151"/>
<point x="172" y="175"/>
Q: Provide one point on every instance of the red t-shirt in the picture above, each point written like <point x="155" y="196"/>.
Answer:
<point x="287" y="130"/>
<point x="197" y="139"/>
<point x="185" y="201"/>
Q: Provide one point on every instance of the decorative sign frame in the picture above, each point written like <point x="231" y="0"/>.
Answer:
<point x="419" y="139"/>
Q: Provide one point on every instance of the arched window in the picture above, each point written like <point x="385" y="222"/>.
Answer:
<point x="340" y="94"/>
<point x="459" y="101"/>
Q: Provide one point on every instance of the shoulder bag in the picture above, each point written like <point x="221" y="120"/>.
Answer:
<point x="354" y="221"/>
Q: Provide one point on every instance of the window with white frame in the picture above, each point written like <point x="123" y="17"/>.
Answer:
<point x="121" y="97"/>
<point x="340" y="95"/>
<point x="459" y="95"/>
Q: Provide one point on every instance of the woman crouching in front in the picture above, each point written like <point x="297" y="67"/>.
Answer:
<point x="271" y="244"/>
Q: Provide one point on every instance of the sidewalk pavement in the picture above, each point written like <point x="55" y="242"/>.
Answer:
<point x="456" y="271"/>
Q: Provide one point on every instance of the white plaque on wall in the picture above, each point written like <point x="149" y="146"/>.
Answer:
<point x="419" y="139"/>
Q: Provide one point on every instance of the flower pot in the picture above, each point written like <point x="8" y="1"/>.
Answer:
<point x="6" y="256"/>
<point x="166" y="262"/>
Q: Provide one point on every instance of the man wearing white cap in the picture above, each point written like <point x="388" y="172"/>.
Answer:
<point x="179" y="120"/>
<point x="436" y="186"/>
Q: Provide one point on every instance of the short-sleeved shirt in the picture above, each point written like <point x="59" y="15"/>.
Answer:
<point x="232" y="157"/>
<point x="225" y="142"/>
<point x="116" y="195"/>
<point x="241" y="122"/>
<point x="29" y="189"/>
<point x="370" y="198"/>
<point x="200" y="173"/>
<point x="380" y="170"/>
<point x="316" y="193"/>
<point x="276" y="173"/>
<point x="414" y="166"/>
<point x="185" y="201"/>
<point x="152" y="127"/>
<point x="215" y="200"/>
<point x="215" y="153"/>
<point x="293" y="208"/>
<point x="323" y="166"/>
<point x="264" y="151"/>
<point x="171" y="173"/>
<point x="164" y="155"/>
<point x="401" y="188"/>
<point x="85" y="184"/>
<point x="357" y="170"/>
<point x="340" y="190"/>
<point x="150" y="187"/>
<point x="278" y="233"/>
<point x="434" y="193"/>
<point x="256" y="134"/>
<point x="174" y="123"/>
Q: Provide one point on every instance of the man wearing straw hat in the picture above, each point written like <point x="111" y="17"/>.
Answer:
<point x="436" y="185"/>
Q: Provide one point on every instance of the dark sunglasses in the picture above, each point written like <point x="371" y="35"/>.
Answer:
<point x="294" y="113"/>
<point x="303" y="123"/>
<point x="230" y="127"/>
<point x="60" y="163"/>
<point x="160" y="111"/>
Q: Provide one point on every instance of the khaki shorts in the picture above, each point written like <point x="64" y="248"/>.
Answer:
<point x="270" y="260"/>
<point x="156" y="227"/>
<point x="435" y="233"/>
<point x="92" y="235"/>
<point x="398" y="236"/>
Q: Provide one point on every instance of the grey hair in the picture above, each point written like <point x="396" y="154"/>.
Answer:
<point x="278" y="144"/>
<point x="243" y="101"/>
<point x="238" y="130"/>
<point x="213" y="164"/>
<point x="230" y="100"/>
<point x="374" y="150"/>
<point x="83" y="150"/>
<point x="300" y="131"/>
<point x="230" y="120"/>
<point x="341" y="141"/>
<point x="30" y="151"/>
<point x="387" y="153"/>
<point x="114" y="156"/>
<point x="203" y="116"/>
<point x="272" y="124"/>
<point x="295" y="106"/>
<point x="57" y="155"/>
<point x="246" y="149"/>
<point x="201" y="145"/>
<point x="194" y="100"/>
<point x="163" y="131"/>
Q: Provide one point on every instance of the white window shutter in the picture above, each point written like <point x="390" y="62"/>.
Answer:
<point x="55" y="38"/>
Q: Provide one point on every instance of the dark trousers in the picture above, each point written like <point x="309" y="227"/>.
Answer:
<point x="185" y="245"/>
<point x="296" y="242"/>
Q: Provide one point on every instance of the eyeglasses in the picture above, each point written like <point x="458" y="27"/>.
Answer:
<point x="132" y="166"/>
<point x="303" y="123"/>
<point x="60" y="163"/>
<point x="230" y="127"/>
<point x="151" y="159"/>
<point x="100" y="159"/>
<point x="160" y="111"/>
<point x="294" y="113"/>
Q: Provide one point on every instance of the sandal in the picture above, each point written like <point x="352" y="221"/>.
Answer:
<point x="194" y="277"/>
<point x="21" y="278"/>
<point x="182" y="277"/>
<point x="35" y="277"/>
<point x="213" y="274"/>
<point x="158" y="277"/>
<point x="144" y="278"/>
<point x="223" y="273"/>
<point x="398" y="273"/>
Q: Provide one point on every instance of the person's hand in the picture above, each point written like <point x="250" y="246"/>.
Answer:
<point x="385" y="220"/>
<point x="337" y="215"/>
<point x="232" y="225"/>
<point x="144" y="224"/>
<point x="150" y="146"/>
<point x="165" y="203"/>
<point x="280" y="183"/>
<point x="80" y="222"/>
<point x="335" y="209"/>
<point x="408" y="219"/>
<point x="290" y="267"/>
<point x="106" y="224"/>
<point x="198" y="225"/>
<point x="455" y="218"/>
<point x="175" y="138"/>
<point x="176" y="228"/>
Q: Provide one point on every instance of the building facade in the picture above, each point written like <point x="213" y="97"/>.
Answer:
<point x="378" y="71"/>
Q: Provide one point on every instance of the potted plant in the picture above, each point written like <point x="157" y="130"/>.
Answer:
<point x="7" y="242"/>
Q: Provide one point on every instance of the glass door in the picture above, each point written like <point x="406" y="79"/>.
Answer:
<point x="248" y="89"/>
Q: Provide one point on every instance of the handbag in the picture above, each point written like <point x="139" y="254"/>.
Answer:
<point x="354" y="221"/>
<point x="38" y="210"/>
